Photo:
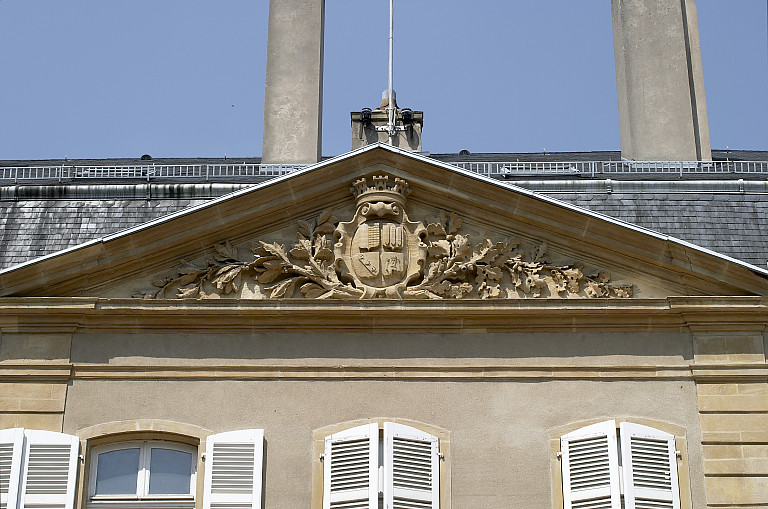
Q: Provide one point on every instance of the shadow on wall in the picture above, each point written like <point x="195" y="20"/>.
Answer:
<point x="668" y="347"/>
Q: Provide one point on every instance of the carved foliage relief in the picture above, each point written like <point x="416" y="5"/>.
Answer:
<point x="380" y="253"/>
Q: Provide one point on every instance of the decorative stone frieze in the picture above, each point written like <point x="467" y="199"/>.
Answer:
<point x="381" y="253"/>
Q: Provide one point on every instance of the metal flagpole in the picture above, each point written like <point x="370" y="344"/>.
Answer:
<point x="390" y="99"/>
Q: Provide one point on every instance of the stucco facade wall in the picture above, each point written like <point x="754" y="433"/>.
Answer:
<point x="500" y="425"/>
<point x="501" y="399"/>
<point x="499" y="431"/>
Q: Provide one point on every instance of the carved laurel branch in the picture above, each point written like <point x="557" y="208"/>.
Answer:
<point x="454" y="269"/>
<point x="225" y="272"/>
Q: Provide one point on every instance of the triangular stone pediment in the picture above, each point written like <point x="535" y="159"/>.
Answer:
<point x="380" y="223"/>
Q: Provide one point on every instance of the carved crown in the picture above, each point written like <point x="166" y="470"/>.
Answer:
<point x="380" y="190"/>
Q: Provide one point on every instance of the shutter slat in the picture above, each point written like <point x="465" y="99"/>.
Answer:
<point x="350" y="469"/>
<point x="399" y="503"/>
<point x="653" y="504"/>
<point x="598" y="503"/>
<point x="354" y="504"/>
<point x="233" y="470"/>
<point x="650" y="468"/>
<point x="50" y="470"/>
<point x="411" y="468"/>
<point x="11" y="449"/>
<point x="590" y="466"/>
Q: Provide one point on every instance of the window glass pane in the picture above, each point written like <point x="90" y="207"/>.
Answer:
<point x="169" y="472"/>
<point x="117" y="472"/>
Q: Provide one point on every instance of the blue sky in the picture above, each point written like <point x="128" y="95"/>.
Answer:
<point x="185" y="78"/>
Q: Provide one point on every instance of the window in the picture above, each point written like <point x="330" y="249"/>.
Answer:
<point x="635" y="468"/>
<point x="368" y="468"/>
<point x="143" y="470"/>
<point x="37" y="468"/>
<point x="161" y="474"/>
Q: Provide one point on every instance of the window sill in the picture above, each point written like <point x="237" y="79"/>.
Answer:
<point x="133" y="502"/>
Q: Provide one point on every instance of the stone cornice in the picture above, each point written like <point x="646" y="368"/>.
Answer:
<point x="37" y="372"/>
<point x="695" y="314"/>
<point x="371" y="371"/>
<point x="733" y="373"/>
<point x="357" y="370"/>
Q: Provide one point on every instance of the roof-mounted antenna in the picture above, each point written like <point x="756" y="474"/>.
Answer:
<point x="389" y="96"/>
<point x="390" y="100"/>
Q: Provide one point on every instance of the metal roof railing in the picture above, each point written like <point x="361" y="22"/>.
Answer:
<point x="146" y="172"/>
<point x="598" y="168"/>
<point x="228" y="172"/>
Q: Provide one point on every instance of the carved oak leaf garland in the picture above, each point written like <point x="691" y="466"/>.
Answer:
<point x="454" y="269"/>
<point x="224" y="273"/>
<point x="317" y="279"/>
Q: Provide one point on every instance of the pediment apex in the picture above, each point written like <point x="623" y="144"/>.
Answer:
<point x="403" y="242"/>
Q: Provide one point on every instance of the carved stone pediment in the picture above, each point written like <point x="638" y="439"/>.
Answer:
<point x="381" y="253"/>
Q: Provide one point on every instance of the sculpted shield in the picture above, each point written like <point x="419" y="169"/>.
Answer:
<point x="380" y="249"/>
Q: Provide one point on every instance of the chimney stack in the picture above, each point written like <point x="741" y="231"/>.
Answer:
<point x="293" y="94"/>
<point x="371" y="126"/>
<point x="660" y="82"/>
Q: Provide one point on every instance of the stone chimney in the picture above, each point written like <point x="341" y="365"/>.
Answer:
<point x="293" y="93"/>
<point x="660" y="82"/>
<point x="370" y="126"/>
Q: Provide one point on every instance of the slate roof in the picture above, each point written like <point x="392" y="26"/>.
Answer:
<point x="730" y="224"/>
<point x="727" y="220"/>
<point x="39" y="220"/>
<point x="34" y="228"/>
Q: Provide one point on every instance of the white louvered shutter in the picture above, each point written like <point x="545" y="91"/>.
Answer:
<point x="233" y="464"/>
<point x="650" y="468"/>
<point x="351" y="469"/>
<point x="11" y="448"/>
<point x="50" y="469"/>
<point x="590" y="463"/>
<point x="411" y="468"/>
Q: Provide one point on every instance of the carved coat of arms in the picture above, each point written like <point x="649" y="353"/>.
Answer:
<point x="380" y="250"/>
